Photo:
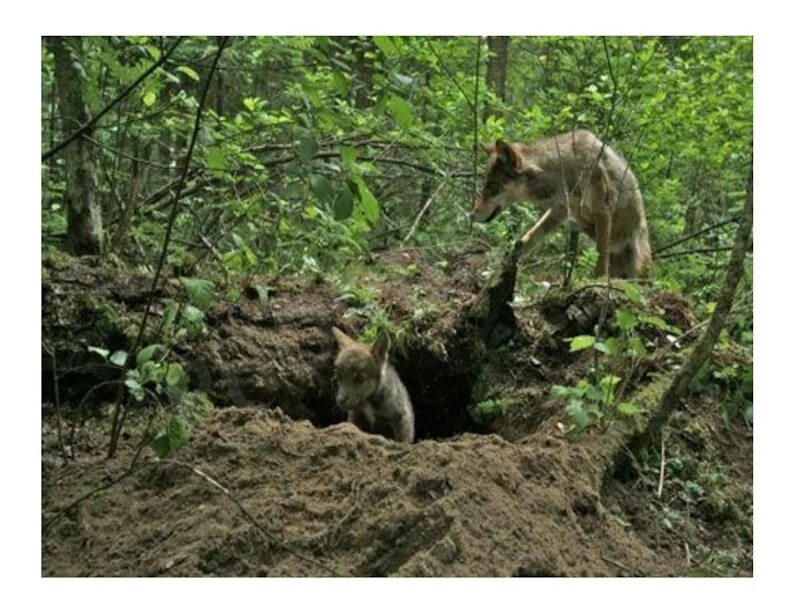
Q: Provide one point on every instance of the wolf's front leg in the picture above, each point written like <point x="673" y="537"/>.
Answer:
<point x="360" y="420"/>
<point x="403" y="429"/>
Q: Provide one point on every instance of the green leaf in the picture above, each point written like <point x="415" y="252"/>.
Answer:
<point x="612" y="346"/>
<point x="133" y="384"/>
<point x="349" y="155"/>
<point x="101" y="351"/>
<point x="216" y="159"/>
<point x="263" y="294"/>
<point x="178" y="433"/>
<point x="632" y="292"/>
<point x="200" y="291"/>
<point x="306" y="147"/>
<point x="189" y="72"/>
<point x="561" y="391"/>
<point x="660" y="323"/>
<point x="322" y="187"/>
<point x="119" y="357"/>
<point x="193" y="317"/>
<point x="581" y="342"/>
<point x="609" y="381"/>
<point x="161" y="445"/>
<point x="149" y="98"/>
<point x="169" y="316"/>
<point x="577" y="415"/>
<point x="147" y="353"/>
<point x="626" y="319"/>
<point x="369" y="204"/>
<point x="343" y="206"/>
<point x="400" y="111"/>
<point x="250" y="104"/>
<point x="151" y="371"/>
<point x="340" y="83"/>
<point x="627" y="409"/>
<point x="175" y="374"/>
<point x="601" y="347"/>
<point x="385" y="44"/>
<point x="636" y="346"/>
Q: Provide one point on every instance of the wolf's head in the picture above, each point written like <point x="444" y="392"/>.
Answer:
<point x="507" y="179"/>
<point x="359" y="368"/>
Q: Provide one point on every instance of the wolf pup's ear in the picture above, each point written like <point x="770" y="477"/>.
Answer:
<point x="342" y="338"/>
<point x="508" y="155"/>
<point x="488" y="148"/>
<point x="380" y="347"/>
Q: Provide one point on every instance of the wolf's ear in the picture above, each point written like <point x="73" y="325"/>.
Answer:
<point x="488" y="148"/>
<point x="342" y="338"/>
<point x="380" y="347"/>
<point x="506" y="153"/>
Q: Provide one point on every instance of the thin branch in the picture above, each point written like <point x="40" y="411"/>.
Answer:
<point x="271" y="537"/>
<point x="122" y="154"/>
<point x="89" y="494"/>
<point x="422" y="212"/>
<point x="697" y="251"/>
<point x="661" y="474"/>
<point x="88" y="126"/>
<point x="91" y="391"/>
<point x="453" y="79"/>
<point x="117" y="422"/>
<point x="691" y="236"/>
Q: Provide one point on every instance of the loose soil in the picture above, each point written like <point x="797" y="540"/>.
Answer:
<point x="307" y="495"/>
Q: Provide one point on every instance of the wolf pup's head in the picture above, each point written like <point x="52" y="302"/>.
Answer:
<point x="506" y="181"/>
<point x="359" y="368"/>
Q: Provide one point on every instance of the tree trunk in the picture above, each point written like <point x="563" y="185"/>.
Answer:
<point x="84" y="218"/>
<point x="496" y="71"/>
<point x="702" y="350"/>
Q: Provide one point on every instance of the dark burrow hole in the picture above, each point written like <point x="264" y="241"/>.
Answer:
<point x="440" y="396"/>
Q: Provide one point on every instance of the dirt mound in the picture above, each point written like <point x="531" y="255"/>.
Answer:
<point x="311" y="498"/>
<point x="339" y="501"/>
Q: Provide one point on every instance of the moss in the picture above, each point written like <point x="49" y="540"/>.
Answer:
<point x="55" y="259"/>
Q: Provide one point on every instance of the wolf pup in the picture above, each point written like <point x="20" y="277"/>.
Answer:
<point x="370" y="390"/>
<point x="572" y="176"/>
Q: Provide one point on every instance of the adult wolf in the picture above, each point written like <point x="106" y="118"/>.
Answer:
<point x="572" y="176"/>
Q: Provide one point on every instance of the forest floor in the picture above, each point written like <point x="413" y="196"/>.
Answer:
<point x="272" y="483"/>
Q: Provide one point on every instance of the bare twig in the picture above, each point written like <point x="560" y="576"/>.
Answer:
<point x="619" y="565"/>
<point x="89" y="494"/>
<point x="661" y="473"/>
<point x="91" y="391"/>
<point x="88" y="126"/>
<point x="695" y="234"/>
<point x="271" y="537"/>
<point x="415" y="224"/>
<point x="355" y="504"/>
<point x="697" y="251"/>
<point x="122" y="154"/>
